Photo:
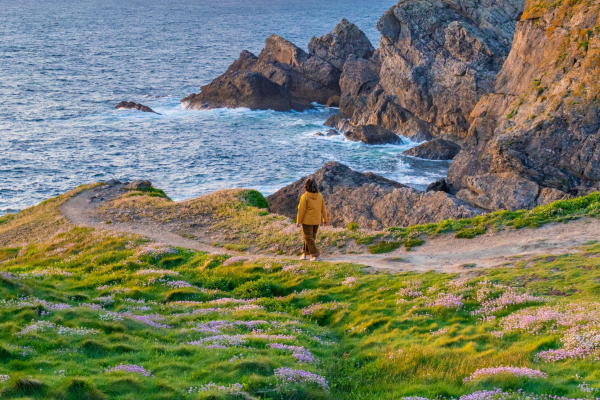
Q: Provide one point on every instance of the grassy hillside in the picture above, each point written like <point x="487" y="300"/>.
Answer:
<point x="90" y="314"/>
<point x="238" y="220"/>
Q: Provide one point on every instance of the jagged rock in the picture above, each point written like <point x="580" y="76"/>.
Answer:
<point x="336" y="47"/>
<point x="437" y="149"/>
<point x="370" y="200"/>
<point x="244" y="89"/>
<point x="437" y="57"/>
<point x="437" y="186"/>
<point x="537" y="138"/>
<point x="305" y="78"/>
<point x="308" y="78"/>
<point x="137" y="185"/>
<point x="130" y="105"/>
<point x="372" y="134"/>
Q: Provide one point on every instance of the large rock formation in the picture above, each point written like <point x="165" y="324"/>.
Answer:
<point x="370" y="200"/>
<point x="437" y="149"/>
<point x="537" y="138"/>
<point x="285" y="77"/>
<point x="436" y="59"/>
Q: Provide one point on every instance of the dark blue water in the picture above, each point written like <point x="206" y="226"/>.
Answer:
<point x="64" y="65"/>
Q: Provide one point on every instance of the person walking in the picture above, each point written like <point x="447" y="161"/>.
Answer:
<point x="311" y="212"/>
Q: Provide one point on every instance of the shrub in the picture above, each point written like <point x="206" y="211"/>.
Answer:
<point x="254" y="198"/>
<point x="384" y="247"/>
<point x="368" y="239"/>
<point x="352" y="226"/>
<point x="413" y="242"/>
<point x="470" y="233"/>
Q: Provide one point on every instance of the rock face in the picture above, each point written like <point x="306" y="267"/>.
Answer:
<point x="244" y="89"/>
<point x="371" y="200"/>
<point x="284" y="77"/>
<point x="130" y="105"/>
<point x="372" y="134"/>
<point x="537" y="138"/>
<point x="435" y="60"/>
<point x="346" y="40"/>
<point x="437" y="149"/>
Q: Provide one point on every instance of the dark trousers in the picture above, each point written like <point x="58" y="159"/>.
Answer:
<point x="310" y="240"/>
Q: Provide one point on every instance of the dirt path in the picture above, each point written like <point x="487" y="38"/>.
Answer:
<point x="444" y="253"/>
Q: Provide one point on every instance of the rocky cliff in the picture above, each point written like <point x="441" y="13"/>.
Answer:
<point x="435" y="61"/>
<point x="536" y="138"/>
<point x="370" y="200"/>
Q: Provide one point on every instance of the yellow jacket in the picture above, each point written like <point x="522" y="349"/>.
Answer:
<point x="311" y="209"/>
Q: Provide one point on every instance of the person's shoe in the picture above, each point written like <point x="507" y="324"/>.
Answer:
<point x="315" y="258"/>
<point x="303" y="257"/>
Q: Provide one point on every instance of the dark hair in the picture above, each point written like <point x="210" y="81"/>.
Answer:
<point x="311" y="186"/>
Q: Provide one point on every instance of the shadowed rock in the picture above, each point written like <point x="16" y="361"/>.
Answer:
<point x="244" y="89"/>
<point x="438" y="186"/>
<point x="371" y="200"/>
<point x="437" y="149"/>
<point x="298" y="78"/>
<point x="372" y="134"/>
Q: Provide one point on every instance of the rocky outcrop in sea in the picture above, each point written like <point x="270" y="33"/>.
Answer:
<point x="130" y="105"/>
<point x="284" y="77"/>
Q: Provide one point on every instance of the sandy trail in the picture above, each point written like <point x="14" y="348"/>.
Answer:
<point x="443" y="254"/>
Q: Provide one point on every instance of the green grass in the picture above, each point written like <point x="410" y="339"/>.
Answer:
<point x="374" y="335"/>
<point x="559" y="211"/>
<point x="384" y="247"/>
<point x="150" y="191"/>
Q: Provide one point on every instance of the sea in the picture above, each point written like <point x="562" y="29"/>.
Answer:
<point x="65" y="64"/>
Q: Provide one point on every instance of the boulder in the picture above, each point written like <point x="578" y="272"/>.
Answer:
<point x="370" y="200"/>
<point x="536" y="139"/>
<point x="345" y="40"/>
<point x="437" y="149"/>
<point x="139" y="185"/>
<point x="372" y="134"/>
<point x="330" y="132"/>
<point x="130" y="105"/>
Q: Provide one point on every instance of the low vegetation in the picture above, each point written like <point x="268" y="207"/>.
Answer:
<point x="89" y="314"/>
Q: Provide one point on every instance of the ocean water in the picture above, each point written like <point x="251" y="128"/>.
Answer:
<point x="64" y="65"/>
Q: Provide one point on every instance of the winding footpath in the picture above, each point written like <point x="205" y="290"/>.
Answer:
<point x="443" y="254"/>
